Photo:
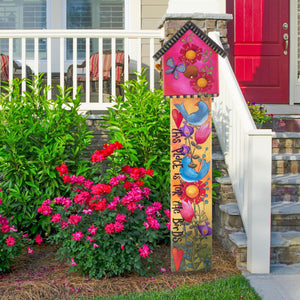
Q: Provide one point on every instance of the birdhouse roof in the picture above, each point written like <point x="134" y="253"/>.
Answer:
<point x="204" y="37"/>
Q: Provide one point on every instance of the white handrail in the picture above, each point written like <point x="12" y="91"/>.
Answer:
<point x="248" y="155"/>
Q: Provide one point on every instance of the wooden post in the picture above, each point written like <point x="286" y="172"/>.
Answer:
<point x="190" y="79"/>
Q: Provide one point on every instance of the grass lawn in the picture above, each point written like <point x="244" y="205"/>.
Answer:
<point x="233" y="287"/>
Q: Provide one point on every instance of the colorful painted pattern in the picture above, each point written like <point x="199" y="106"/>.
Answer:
<point x="191" y="195"/>
<point x="190" y="67"/>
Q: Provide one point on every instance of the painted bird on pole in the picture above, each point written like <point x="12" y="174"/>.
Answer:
<point x="196" y="118"/>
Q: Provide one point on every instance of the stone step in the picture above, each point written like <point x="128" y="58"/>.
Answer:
<point x="285" y="187"/>
<point x="282" y="163"/>
<point x="285" y="217"/>
<point x="286" y="142"/>
<point x="285" y="247"/>
<point x="286" y="163"/>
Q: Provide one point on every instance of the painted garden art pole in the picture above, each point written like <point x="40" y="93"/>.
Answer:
<point x="190" y="80"/>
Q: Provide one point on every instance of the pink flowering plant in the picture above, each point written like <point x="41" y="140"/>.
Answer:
<point x="108" y="225"/>
<point x="11" y="241"/>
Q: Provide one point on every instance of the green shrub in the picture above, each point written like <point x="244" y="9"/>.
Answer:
<point x="37" y="134"/>
<point x="108" y="225"/>
<point x="141" y="123"/>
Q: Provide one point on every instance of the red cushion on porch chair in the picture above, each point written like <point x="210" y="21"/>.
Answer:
<point x="4" y="60"/>
<point x="106" y="64"/>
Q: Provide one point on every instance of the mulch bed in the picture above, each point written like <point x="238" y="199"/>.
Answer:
<point x="41" y="276"/>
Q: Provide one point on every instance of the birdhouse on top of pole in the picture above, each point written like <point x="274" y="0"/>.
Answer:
<point x="190" y="63"/>
<point x="190" y="80"/>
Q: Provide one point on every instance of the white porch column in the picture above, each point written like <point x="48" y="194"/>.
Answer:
<point x="197" y="6"/>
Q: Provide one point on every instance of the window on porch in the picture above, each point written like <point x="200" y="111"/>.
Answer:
<point x="76" y="14"/>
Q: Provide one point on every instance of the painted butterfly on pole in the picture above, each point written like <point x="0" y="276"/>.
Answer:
<point x="174" y="69"/>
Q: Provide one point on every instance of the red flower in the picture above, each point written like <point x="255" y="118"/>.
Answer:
<point x="100" y="189"/>
<point x="100" y="205"/>
<point x="110" y="228"/>
<point x="127" y="185"/>
<point x="66" y="178"/>
<point x="74" y="219"/>
<point x="107" y="150"/>
<point x="38" y="239"/>
<point x="62" y="169"/>
<point x="149" y="172"/>
<point x="10" y="241"/>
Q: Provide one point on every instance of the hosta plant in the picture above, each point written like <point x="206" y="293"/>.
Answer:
<point x="108" y="226"/>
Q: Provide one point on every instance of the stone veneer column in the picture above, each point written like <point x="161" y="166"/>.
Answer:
<point x="207" y="22"/>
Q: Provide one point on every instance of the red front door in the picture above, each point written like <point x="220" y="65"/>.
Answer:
<point x="258" y="37"/>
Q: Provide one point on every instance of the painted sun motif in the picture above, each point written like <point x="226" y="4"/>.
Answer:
<point x="202" y="83"/>
<point x="190" y="54"/>
<point x="193" y="191"/>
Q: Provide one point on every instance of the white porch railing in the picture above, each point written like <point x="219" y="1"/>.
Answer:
<point x="139" y="48"/>
<point x="248" y="155"/>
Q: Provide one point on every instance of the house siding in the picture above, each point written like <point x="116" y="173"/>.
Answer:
<point x="152" y="12"/>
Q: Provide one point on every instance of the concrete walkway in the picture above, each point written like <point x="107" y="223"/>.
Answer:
<point x="283" y="283"/>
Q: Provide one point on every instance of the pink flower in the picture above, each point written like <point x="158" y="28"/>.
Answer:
<point x="66" y="202"/>
<point x="87" y="211"/>
<point x="157" y="205"/>
<point x="187" y="211"/>
<point x="82" y="198"/>
<point x="112" y="205"/>
<point x="168" y="225"/>
<point x="45" y="210"/>
<point x="64" y="224"/>
<point x="95" y="245"/>
<point x="131" y="207"/>
<point x="90" y="239"/>
<point x="122" y="247"/>
<point x="114" y="181"/>
<point x="73" y="263"/>
<point x="56" y="218"/>
<point x="202" y="133"/>
<point x="77" y="236"/>
<point x="29" y="251"/>
<point x="74" y="219"/>
<point x="10" y="241"/>
<point x="144" y="251"/>
<point x="153" y="223"/>
<point x="146" y="224"/>
<point x="118" y="226"/>
<point x="121" y="177"/>
<point x="88" y="184"/>
<point x="168" y="213"/>
<point x="38" y="239"/>
<point x="120" y="218"/>
<point x="92" y="230"/>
